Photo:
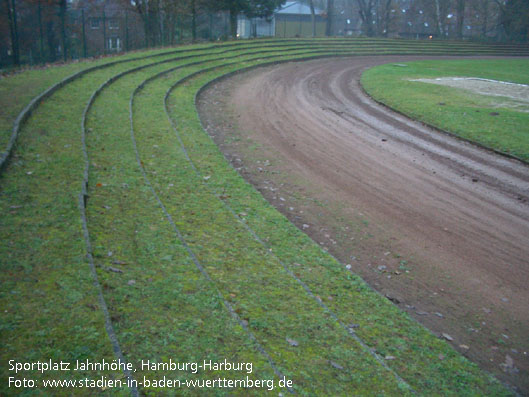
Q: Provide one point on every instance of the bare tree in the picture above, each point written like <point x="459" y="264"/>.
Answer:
<point x="64" y="38"/>
<point x="460" y="11"/>
<point x="330" y="16"/>
<point x="41" y="34"/>
<point x="514" y="19"/>
<point x="194" y="19"/>
<point x="438" y="18"/>
<point x="489" y="17"/>
<point x="13" y="30"/>
<point x="312" y="17"/>
<point x="383" y="13"/>
<point x="366" y="15"/>
<point x="438" y="11"/>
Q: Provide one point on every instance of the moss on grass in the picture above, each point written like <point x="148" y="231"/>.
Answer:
<point x="160" y="304"/>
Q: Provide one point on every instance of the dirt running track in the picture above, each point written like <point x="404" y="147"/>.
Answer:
<point x="457" y="214"/>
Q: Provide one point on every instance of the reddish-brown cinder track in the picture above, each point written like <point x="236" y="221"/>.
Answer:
<point x="456" y="214"/>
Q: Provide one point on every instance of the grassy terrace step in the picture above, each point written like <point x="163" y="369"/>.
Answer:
<point x="361" y="47"/>
<point x="160" y="304"/>
<point x="49" y="306"/>
<point x="42" y="264"/>
<point x="18" y="90"/>
<point x="124" y="219"/>
<point x="28" y="84"/>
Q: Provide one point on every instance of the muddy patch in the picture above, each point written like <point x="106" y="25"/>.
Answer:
<point x="506" y="94"/>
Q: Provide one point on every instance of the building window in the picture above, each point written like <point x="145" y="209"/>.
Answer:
<point x="113" y="23"/>
<point x="114" y="44"/>
<point x="94" y="23"/>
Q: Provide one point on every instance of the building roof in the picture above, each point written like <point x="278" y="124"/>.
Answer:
<point x="297" y="8"/>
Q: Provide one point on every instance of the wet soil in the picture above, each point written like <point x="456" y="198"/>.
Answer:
<point x="499" y="93"/>
<point x="437" y="225"/>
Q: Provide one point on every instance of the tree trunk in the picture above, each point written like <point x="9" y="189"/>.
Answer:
<point x="13" y="29"/>
<point x="378" y="23"/>
<point x="17" y="40"/>
<point x="172" y="29"/>
<point x="460" y="18"/>
<point x="330" y="13"/>
<point x="127" y="45"/>
<point x="313" y="18"/>
<point x="104" y="32"/>
<point x="387" y="18"/>
<point x="41" y="31"/>
<point x="161" y="26"/>
<point x="438" y="18"/>
<point x="155" y="24"/>
<point x="147" y="24"/>
<point x="211" y="27"/>
<point x="62" y="13"/>
<point x="178" y="27"/>
<point x="50" y="34"/>
<point x="233" y="23"/>
<point x="194" y="19"/>
<point x="84" y="34"/>
<point x="366" y="15"/>
<point x="485" y="13"/>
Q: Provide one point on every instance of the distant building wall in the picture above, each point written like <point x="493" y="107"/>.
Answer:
<point x="112" y="30"/>
<point x="255" y="27"/>
<point x="298" y="26"/>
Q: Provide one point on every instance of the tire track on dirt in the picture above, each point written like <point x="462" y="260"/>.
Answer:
<point x="349" y="331"/>
<point x="302" y="119"/>
<point x="406" y="175"/>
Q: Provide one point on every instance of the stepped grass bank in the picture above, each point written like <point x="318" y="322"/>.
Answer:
<point x="126" y="234"/>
